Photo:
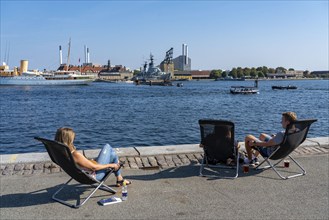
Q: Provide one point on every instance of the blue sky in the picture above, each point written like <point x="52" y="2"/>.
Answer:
<point x="219" y="34"/>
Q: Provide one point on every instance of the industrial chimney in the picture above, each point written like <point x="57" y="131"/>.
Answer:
<point x="85" y="54"/>
<point x="108" y="65"/>
<point x="186" y="55"/>
<point x="60" y="55"/>
<point x="88" y="58"/>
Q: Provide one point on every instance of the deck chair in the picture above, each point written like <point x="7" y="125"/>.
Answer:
<point x="217" y="138"/>
<point x="290" y="142"/>
<point x="61" y="155"/>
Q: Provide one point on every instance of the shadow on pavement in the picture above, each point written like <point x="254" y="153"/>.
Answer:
<point x="193" y="170"/>
<point x="72" y="193"/>
<point x="39" y="197"/>
<point x="189" y="171"/>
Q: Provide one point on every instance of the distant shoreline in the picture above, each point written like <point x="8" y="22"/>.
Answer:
<point x="277" y="79"/>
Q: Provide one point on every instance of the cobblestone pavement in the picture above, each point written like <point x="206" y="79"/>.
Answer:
<point x="151" y="162"/>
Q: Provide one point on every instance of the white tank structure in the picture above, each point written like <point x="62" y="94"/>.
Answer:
<point x="23" y="67"/>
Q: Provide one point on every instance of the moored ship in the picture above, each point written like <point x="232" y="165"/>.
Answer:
<point x="28" y="78"/>
<point x="152" y="75"/>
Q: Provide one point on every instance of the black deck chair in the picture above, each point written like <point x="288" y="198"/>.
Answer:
<point x="61" y="155"/>
<point x="291" y="140"/>
<point x="217" y="138"/>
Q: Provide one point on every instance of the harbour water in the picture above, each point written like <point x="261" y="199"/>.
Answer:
<point x="125" y="115"/>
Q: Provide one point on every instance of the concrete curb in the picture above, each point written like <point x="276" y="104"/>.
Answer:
<point x="153" y="157"/>
<point x="322" y="142"/>
<point x="170" y="149"/>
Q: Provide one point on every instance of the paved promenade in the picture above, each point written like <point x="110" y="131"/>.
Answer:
<point x="166" y="185"/>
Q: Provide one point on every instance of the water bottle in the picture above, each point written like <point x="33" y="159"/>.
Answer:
<point x="124" y="191"/>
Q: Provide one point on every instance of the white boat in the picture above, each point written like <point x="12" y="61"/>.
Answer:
<point x="62" y="77"/>
<point x="244" y="90"/>
<point x="33" y="79"/>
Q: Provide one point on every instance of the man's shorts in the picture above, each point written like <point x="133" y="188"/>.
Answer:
<point x="266" y="151"/>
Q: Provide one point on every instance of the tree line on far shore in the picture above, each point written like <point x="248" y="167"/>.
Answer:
<point x="254" y="72"/>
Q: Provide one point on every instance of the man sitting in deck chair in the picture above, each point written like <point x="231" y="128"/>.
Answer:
<point x="265" y="142"/>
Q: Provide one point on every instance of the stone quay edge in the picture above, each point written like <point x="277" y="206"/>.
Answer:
<point x="150" y="157"/>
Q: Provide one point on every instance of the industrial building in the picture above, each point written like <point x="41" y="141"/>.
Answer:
<point x="183" y="62"/>
<point x="167" y="64"/>
<point x="105" y="72"/>
<point x="116" y="73"/>
<point x="287" y="74"/>
<point x="191" y="74"/>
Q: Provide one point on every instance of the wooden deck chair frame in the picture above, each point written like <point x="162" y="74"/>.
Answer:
<point x="290" y="142"/>
<point x="204" y="123"/>
<point x="61" y="155"/>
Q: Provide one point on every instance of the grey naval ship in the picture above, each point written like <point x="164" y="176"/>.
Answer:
<point x="152" y="75"/>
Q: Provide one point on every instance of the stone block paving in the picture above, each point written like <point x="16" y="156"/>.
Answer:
<point x="151" y="162"/>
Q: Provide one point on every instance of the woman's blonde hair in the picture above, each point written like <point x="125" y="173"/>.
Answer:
<point x="65" y="136"/>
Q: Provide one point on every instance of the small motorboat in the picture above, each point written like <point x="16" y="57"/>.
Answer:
<point x="284" y="87"/>
<point x="179" y="84"/>
<point x="244" y="90"/>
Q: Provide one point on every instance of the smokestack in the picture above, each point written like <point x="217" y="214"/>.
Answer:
<point x="108" y="65"/>
<point x="85" y="54"/>
<point x="186" y="54"/>
<point x="60" y="55"/>
<point x="183" y="49"/>
<point x="88" y="58"/>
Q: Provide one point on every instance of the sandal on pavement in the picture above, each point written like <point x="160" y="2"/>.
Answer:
<point x="230" y="162"/>
<point x="120" y="182"/>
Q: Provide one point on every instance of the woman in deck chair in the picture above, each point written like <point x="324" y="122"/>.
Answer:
<point x="107" y="157"/>
<point x="266" y="142"/>
<point x="218" y="146"/>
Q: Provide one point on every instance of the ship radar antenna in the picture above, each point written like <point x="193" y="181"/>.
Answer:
<point x="151" y="64"/>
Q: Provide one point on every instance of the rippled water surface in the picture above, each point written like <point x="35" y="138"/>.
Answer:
<point x="126" y="115"/>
